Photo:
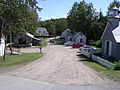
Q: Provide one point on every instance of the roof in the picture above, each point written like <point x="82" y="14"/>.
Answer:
<point x="70" y="36"/>
<point x="30" y="35"/>
<point x="66" y="33"/>
<point x="78" y="33"/>
<point x="42" y="29"/>
<point x="116" y="33"/>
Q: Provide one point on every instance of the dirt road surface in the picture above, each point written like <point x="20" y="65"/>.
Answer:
<point x="60" y="65"/>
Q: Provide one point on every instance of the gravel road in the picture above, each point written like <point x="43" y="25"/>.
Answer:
<point x="60" y="65"/>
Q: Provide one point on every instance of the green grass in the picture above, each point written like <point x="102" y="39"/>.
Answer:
<point x="96" y="47"/>
<point x="112" y="74"/>
<point x="19" y="59"/>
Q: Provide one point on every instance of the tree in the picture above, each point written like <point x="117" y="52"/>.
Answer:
<point x="61" y="25"/>
<point x="16" y="15"/>
<point x="80" y="17"/>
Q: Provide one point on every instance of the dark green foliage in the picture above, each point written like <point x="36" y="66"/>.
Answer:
<point x="111" y="59"/>
<point x="117" y="66"/>
<point x="97" y="43"/>
<point x="98" y="54"/>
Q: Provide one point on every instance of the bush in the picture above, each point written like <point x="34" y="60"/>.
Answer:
<point x="98" y="43"/>
<point x="117" y="66"/>
<point x="91" y="42"/>
<point x="98" y="54"/>
<point x="111" y="59"/>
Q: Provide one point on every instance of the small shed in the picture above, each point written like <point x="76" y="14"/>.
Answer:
<point x="70" y="37"/>
<point x="67" y="35"/>
<point x="2" y="44"/>
<point x="25" y="40"/>
<point x="79" y="37"/>
<point x="111" y="36"/>
<point x="42" y="31"/>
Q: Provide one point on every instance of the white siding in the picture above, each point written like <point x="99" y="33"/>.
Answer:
<point x="2" y="47"/>
<point x="42" y="31"/>
<point x="81" y="37"/>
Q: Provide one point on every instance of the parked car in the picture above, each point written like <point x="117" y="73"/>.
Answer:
<point x="87" y="48"/>
<point x="77" y="45"/>
<point x="68" y="43"/>
<point x="84" y="47"/>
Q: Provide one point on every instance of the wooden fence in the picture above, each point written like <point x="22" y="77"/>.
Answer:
<point x="98" y="59"/>
<point x="103" y="62"/>
<point x="86" y="53"/>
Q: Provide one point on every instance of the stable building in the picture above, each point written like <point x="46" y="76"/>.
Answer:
<point x="111" y="36"/>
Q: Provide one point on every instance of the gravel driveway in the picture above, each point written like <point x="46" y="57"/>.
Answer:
<point x="60" y="65"/>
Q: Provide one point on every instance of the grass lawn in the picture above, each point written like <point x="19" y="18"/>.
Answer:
<point x="112" y="74"/>
<point x="96" y="47"/>
<point x="19" y="59"/>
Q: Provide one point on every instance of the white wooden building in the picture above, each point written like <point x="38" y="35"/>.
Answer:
<point x="2" y="45"/>
<point x="79" y="37"/>
<point x="42" y="31"/>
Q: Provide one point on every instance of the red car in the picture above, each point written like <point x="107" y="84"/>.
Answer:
<point x="77" y="45"/>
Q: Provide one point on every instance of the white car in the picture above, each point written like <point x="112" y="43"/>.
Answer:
<point x="86" y="47"/>
<point x="68" y="43"/>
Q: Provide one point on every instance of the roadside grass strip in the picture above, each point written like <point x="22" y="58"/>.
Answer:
<point x="19" y="59"/>
<point x="109" y="73"/>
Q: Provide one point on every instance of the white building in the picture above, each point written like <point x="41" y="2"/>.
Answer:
<point x="2" y="45"/>
<point x="79" y="37"/>
<point x="67" y="35"/>
<point x="42" y="31"/>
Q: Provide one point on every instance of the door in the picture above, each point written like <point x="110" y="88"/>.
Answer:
<point x="81" y="40"/>
<point x="108" y="47"/>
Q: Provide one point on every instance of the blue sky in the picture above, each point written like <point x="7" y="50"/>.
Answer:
<point x="60" y="8"/>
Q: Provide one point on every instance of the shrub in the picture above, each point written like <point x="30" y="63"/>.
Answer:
<point x="117" y="66"/>
<point x="98" y="54"/>
<point x="91" y="42"/>
<point x="111" y="59"/>
<point x="98" y="43"/>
